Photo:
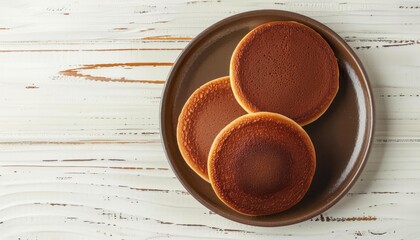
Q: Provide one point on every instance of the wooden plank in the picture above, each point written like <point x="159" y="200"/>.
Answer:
<point x="80" y="86"/>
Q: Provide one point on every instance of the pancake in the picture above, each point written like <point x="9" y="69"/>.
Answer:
<point x="208" y="110"/>
<point x="261" y="164"/>
<point x="286" y="68"/>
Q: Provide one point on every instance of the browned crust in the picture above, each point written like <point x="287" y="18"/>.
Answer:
<point x="249" y="106"/>
<point x="240" y="122"/>
<point x="185" y="128"/>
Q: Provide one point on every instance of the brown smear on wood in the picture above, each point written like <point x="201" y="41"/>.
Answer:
<point x="365" y="193"/>
<point x="194" y="2"/>
<point x="4" y="29"/>
<point x="74" y="142"/>
<point x="159" y="190"/>
<point x="116" y="159"/>
<point x="323" y="218"/>
<point x="399" y="45"/>
<point x="394" y="193"/>
<point x="119" y="29"/>
<point x="206" y="226"/>
<point x="194" y="225"/>
<point x="31" y="87"/>
<point x="377" y="233"/>
<point x="147" y="29"/>
<point x="58" y="204"/>
<point x="76" y="72"/>
<point x="78" y="160"/>
<point x="410" y="7"/>
<point x="164" y="222"/>
<point x="167" y="38"/>
<point x="149" y="190"/>
<point x="82" y="160"/>
<point x="94" y="50"/>
<point x="163" y="21"/>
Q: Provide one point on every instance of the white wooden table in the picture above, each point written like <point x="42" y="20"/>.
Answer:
<point x="80" y="151"/>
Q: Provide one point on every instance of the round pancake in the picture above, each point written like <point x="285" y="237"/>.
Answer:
<point x="286" y="68"/>
<point x="261" y="163"/>
<point x="208" y="110"/>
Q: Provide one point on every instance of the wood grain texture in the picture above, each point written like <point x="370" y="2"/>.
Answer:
<point x="80" y="152"/>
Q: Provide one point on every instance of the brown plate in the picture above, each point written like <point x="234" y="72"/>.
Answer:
<point x="342" y="136"/>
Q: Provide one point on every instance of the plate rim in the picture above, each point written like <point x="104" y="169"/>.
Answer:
<point x="368" y="135"/>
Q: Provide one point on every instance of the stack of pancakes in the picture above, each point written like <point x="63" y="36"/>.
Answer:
<point x="243" y="133"/>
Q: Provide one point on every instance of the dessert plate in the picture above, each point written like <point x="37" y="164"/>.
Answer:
<point x="342" y="136"/>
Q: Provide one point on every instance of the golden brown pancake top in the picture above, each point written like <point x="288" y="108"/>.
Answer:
<point x="286" y="68"/>
<point x="261" y="163"/>
<point x="208" y="110"/>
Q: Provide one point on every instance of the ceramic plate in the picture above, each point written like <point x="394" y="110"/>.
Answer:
<point x="342" y="136"/>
